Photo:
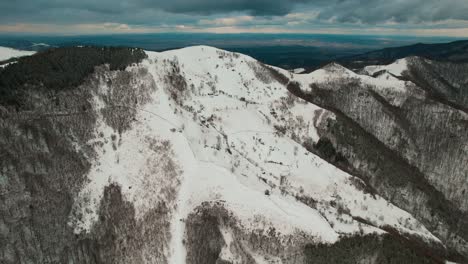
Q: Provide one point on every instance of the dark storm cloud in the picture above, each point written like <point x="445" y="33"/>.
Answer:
<point x="171" y="11"/>
<point x="25" y="8"/>
<point x="256" y="7"/>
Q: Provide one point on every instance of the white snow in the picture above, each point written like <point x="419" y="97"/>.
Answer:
<point x="298" y="70"/>
<point x="8" y="53"/>
<point x="336" y="73"/>
<point x="397" y="68"/>
<point x="228" y="151"/>
<point x="40" y="45"/>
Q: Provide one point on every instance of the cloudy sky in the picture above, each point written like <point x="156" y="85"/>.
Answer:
<point x="386" y="17"/>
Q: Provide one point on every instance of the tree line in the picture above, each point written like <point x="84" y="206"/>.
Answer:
<point x="60" y="68"/>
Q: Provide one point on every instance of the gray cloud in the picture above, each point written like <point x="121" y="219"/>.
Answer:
<point x="403" y="11"/>
<point x="190" y="12"/>
<point x="255" y="7"/>
<point x="25" y="8"/>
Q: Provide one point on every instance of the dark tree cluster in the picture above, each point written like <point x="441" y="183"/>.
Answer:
<point x="386" y="250"/>
<point x="325" y="147"/>
<point x="61" y="68"/>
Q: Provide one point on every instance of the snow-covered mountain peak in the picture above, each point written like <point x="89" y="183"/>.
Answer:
<point x="234" y="138"/>
<point x="335" y="67"/>
<point x="397" y="68"/>
<point x="200" y="155"/>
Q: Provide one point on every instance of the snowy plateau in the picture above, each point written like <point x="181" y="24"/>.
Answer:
<point x="9" y="53"/>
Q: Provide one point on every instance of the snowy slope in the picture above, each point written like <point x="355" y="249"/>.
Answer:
<point x="8" y="53"/>
<point x="335" y="72"/>
<point x="222" y="144"/>
<point x="396" y="69"/>
<point x="298" y="70"/>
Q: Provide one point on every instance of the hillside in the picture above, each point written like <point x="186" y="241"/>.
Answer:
<point x="199" y="155"/>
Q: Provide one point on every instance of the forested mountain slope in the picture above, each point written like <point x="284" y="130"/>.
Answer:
<point x="456" y="51"/>
<point x="199" y="155"/>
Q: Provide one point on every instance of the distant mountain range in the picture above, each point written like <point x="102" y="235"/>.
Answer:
<point x="287" y="51"/>
<point x="449" y="52"/>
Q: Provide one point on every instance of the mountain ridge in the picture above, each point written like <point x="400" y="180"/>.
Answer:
<point x="165" y="141"/>
<point x="456" y="51"/>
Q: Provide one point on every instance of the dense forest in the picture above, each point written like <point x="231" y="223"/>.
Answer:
<point x="366" y="249"/>
<point x="60" y="68"/>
